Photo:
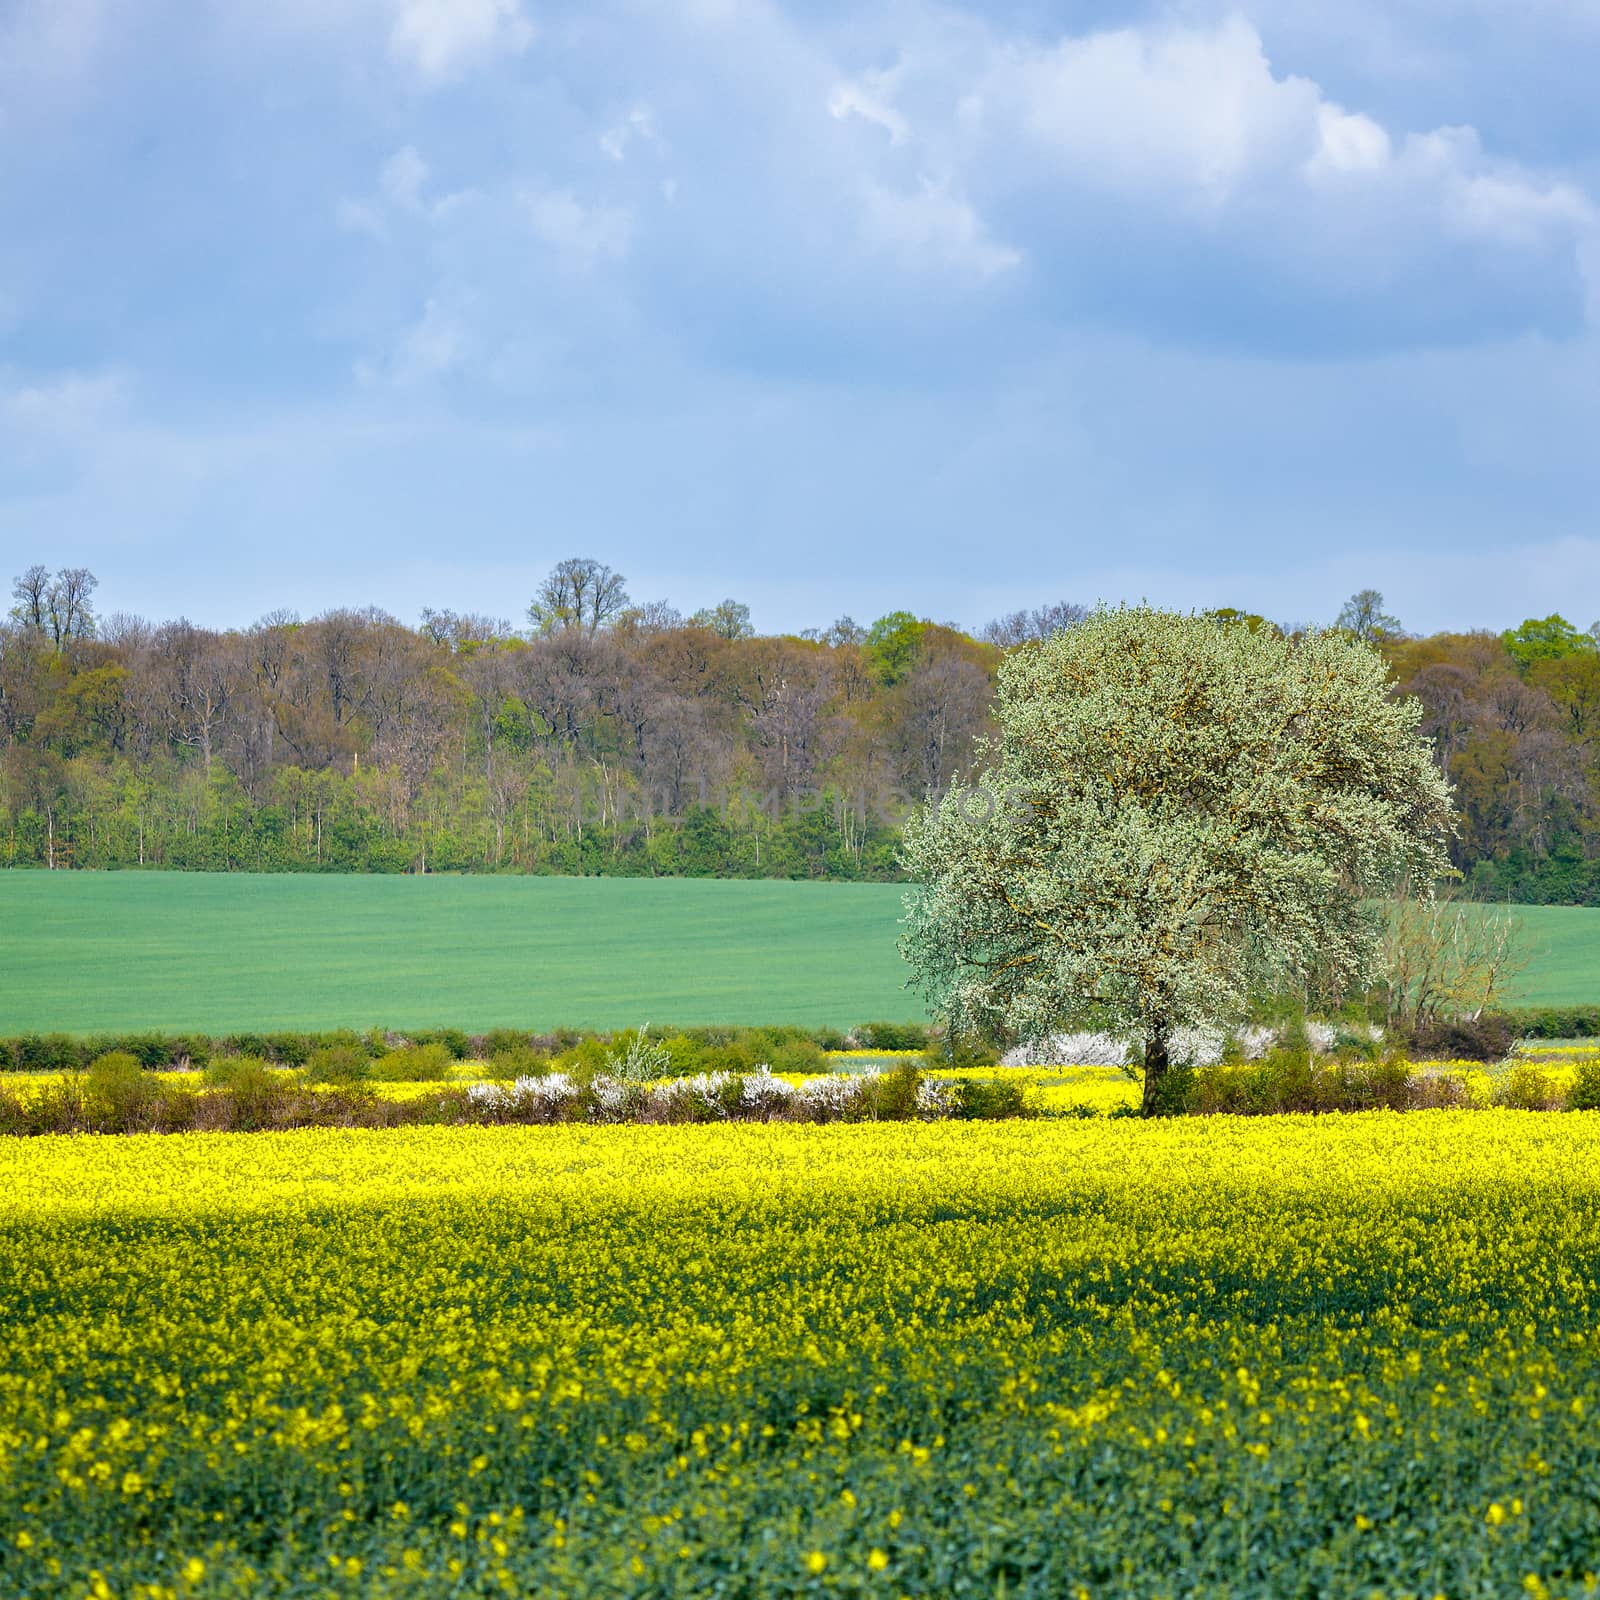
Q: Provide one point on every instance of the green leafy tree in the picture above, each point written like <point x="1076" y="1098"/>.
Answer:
<point x="728" y="619"/>
<point x="892" y="644"/>
<point x="1550" y="638"/>
<point x="1173" y="812"/>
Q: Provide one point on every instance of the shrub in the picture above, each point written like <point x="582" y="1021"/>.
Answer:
<point x="943" y="1052"/>
<point x="1489" y="1037"/>
<point x="455" y="1041"/>
<point x="51" y="1052"/>
<point x="498" y="1041"/>
<point x="414" y="1063"/>
<point x="987" y="1099"/>
<point x="1554" y="1022"/>
<point x="892" y="1096"/>
<point x="121" y="1097"/>
<point x="1584" y="1094"/>
<point x="253" y="1094"/>
<point x="892" y="1035"/>
<point x="1528" y="1088"/>
<point x="291" y="1049"/>
<point x="338" y="1063"/>
<point x="797" y="1055"/>
<point x="222" y="1072"/>
<point x="633" y="1058"/>
<point x="515" y="1061"/>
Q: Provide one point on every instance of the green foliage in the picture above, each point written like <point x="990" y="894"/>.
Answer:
<point x="892" y="645"/>
<point x="635" y="1058"/>
<point x="227" y="1072"/>
<point x="1287" y="1081"/>
<point x="1585" y="1092"/>
<point x="1554" y="1022"/>
<point x="512" y="1060"/>
<point x="413" y="1063"/>
<point x="1528" y="1087"/>
<point x="944" y="1050"/>
<point x="339" y="1063"/>
<point x="892" y="1035"/>
<point x="1545" y="639"/>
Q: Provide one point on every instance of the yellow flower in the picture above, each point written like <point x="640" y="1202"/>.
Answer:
<point x="878" y="1559"/>
<point x="816" y="1561"/>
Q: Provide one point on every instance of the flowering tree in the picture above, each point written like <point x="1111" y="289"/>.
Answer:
<point x="1175" y="808"/>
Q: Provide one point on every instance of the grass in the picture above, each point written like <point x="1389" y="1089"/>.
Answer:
<point x="87" y="952"/>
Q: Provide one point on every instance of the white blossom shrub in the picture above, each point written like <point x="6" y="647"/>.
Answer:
<point x="836" y="1094"/>
<point x="1256" y="1042"/>
<point x="764" y="1094"/>
<point x="1069" y="1050"/>
<point x="705" y="1094"/>
<point x="1195" y="1047"/>
<point x="538" y="1098"/>
<point x="935" y="1099"/>
<point x="616" y="1100"/>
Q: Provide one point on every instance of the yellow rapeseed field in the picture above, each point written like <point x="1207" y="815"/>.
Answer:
<point x="1273" y="1356"/>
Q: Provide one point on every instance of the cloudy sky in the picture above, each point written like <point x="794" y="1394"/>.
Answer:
<point x="838" y="307"/>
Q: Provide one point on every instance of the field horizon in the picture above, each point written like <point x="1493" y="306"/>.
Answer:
<point x="214" y="952"/>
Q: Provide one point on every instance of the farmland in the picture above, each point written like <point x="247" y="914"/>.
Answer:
<point x="1274" y="1357"/>
<point x="83" y="952"/>
<point x="87" y="952"/>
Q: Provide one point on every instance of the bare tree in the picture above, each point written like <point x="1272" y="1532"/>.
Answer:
<point x="935" y="715"/>
<point x="580" y="594"/>
<point x="463" y="631"/>
<point x="1443" y="960"/>
<point x="1021" y="626"/>
<point x="59" y="606"/>
<point x="31" y="592"/>
<point x="1364" y="616"/>
<point x="200" y="673"/>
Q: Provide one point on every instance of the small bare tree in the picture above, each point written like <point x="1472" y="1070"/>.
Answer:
<point x="1444" y="959"/>
<point x="580" y="594"/>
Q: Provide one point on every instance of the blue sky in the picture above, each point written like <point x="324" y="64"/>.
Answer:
<point x="834" y="308"/>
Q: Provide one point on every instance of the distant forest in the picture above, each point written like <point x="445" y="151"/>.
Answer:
<point x="606" y="737"/>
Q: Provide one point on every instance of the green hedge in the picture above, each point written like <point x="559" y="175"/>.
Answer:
<point x="693" y="1049"/>
<point x="1554" y="1022"/>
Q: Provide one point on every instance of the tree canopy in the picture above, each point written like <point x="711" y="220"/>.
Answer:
<point x="1173" y="809"/>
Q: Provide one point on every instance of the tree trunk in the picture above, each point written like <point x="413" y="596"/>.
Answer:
<point x="1156" y="1065"/>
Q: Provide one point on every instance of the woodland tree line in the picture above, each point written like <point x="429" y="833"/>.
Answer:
<point x="610" y="737"/>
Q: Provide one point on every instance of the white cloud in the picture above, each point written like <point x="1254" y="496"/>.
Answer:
<point x="562" y="220"/>
<point x="430" y="347"/>
<point x="442" y="38"/>
<point x="1347" y="143"/>
<point x="934" y="226"/>
<point x="403" y="176"/>
<point x="63" y="406"/>
<point x="1179" y="109"/>
<point x="867" y="97"/>
<point x="639" y="124"/>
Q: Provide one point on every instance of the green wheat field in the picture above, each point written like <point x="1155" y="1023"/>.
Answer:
<point x="81" y="952"/>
